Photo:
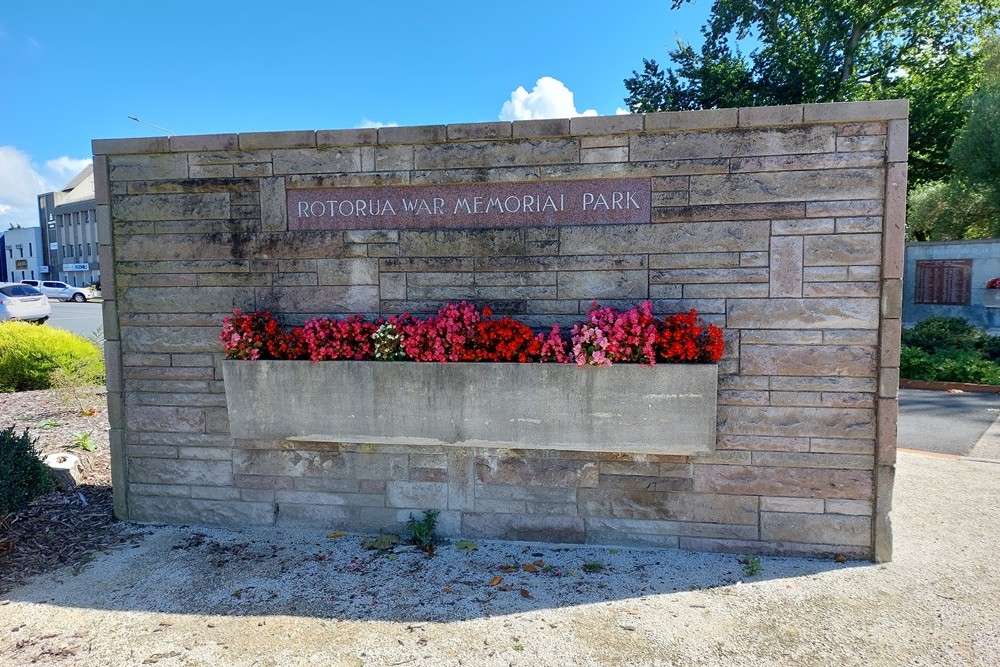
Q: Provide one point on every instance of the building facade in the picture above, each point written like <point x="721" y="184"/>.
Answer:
<point x="68" y="221"/>
<point x="948" y="279"/>
<point x="22" y="250"/>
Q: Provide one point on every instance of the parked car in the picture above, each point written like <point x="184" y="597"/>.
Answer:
<point x="58" y="290"/>
<point x="23" y="302"/>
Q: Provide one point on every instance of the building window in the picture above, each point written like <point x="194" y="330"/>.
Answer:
<point x="944" y="282"/>
<point x="89" y="251"/>
<point x="79" y="249"/>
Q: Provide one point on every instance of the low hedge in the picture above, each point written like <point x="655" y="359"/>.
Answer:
<point x="40" y="357"/>
<point x="23" y="476"/>
<point x="949" y="349"/>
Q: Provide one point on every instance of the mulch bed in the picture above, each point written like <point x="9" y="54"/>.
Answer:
<point x="61" y="528"/>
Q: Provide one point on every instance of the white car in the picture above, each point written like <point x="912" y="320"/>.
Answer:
<point x="57" y="289"/>
<point x="23" y="302"/>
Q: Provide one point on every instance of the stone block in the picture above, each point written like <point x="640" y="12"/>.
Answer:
<point x="784" y="482"/>
<point x="848" y="313"/>
<point x="416" y="134"/>
<point x="695" y="260"/>
<point x="679" y="237"/>
<point x="798" y="505"/>
<point x="458" y="244"/>
<point x="889" y="346"/>
<point x="756" y="258"/>
<point x="237" y="514"/>
<point x="622" y="123"/>
<point x="417" y="495"/>
<point x="814" y="460"/>
<point x="899" y="134"/>
<point x="212" y="171"/>
<point x="702" y="119"/>
<point x="856" y="111"/>
<point x="263" y="482"/>
<point x="313" y="161"/>
<point x="179" y="471"/>
<point x="535" y="472"/>
<point x="833" y="529"/>
<point x="727" y="212"/>
<point x="202" y="206"/>
<point x="605" y="141"/>
<point x="882" y="516"/>
<point x="803" y="226"/>
<point x="610" y="154"/>
<point x="391" y="286"/>
<point x="842" y="250"/>
<point x="892" y="298"/>
<point x="493" y="154"/>
<point x="291" y="463"/>
<point x="347" y="271"/>
<point x="548" y="127"/>
<point x="790" y="114"/>
<point x="774" y="163"/>
<point x="204" y="142"/>
<point x="804" y="360"/>
<point x="154" y="418"/>
<point x="810" y="422"/>
<point x="824" y="209"/>
<point x="842" y="446"/>
<point x="102" y="188"/>
<point x="478" y="131"/>
<point x="189" y="299"/>
<point x="325" y="298"/>
<point x="273" y="212"/>
<point x="785" y="275"/>
<point x="524" y="527"/>
<point x="603" y="284"/>
<point x="850" y="507"/>
<point x="732" y="143"/>
<point x="888" y="417"/>
<point x="250" y="141"/>
<point x="709" y="275"/>
<point x="669" y="506"/>
<point x="835" y="289"/>
<point x="136" y="146"/>
<point x="868" y="144"/>
<point x="788" y="186"/>
<point x="367" y="136"/>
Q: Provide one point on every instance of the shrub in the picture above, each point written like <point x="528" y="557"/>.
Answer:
<point x="943" y="333"/>
<point x="915" y="364"/>
<point x="23" y="476"/>
<point x="964" y="366"/>
<point x="31" y="355"/>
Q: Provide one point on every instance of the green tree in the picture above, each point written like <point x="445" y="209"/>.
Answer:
<point x="830" y="51"/>
<point x="966" y="205"/>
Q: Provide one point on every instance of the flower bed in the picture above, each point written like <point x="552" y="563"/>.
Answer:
<point x="635" y="406"/>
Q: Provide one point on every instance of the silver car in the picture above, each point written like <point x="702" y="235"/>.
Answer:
<point x="23" y="302"/>
<point x="57" y="289"/>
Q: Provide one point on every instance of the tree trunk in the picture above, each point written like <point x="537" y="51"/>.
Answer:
<point x="65" y="469"/>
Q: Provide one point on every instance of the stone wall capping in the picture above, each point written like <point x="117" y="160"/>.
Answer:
<point x="791" y="114"/>
<point x="131" y="146"/>
<point x="702" y="119"/>
<point x="549" y="127"/>
<point x="365" y="136"/>
<point x="587" y="125"/>
<point x="265" y="140"/>
<point x="479" y="131"/>
<point x="856" y="111"/>
<point x="414" y="134"/>
<point x="204" y="142"/>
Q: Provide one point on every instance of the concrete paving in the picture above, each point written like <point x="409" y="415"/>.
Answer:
<point x="945" y="423"/>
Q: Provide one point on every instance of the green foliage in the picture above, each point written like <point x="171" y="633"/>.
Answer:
<point x="761" y="52"/>
<point x="35" y="357"/>
<point x="975" y="154"/>
<point x="84" y="441"/>
<point x="943" y="333"/>
<point x="422" y="530"/>
<point x="593" y="567"/>
<point x="949" y="211"/>
<point x="23" y="476"/>
<point x="751" y="566"/>
<point x="949" y="349"/>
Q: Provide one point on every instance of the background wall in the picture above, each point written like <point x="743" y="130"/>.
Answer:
<point x="783" y="225"/>
<point x="985" y="265"/>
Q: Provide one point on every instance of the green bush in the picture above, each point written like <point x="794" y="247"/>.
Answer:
<point x="964" y="366"/>
<point x="915" y="364"/>
<point x="31" y="355"/>
<point x="23" y="476"/>
<point x="944" y="333"/>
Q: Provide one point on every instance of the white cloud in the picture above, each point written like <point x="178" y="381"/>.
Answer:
<point x="550" y="98"/>
<point x="367" y="123"/>
<point x="66" y="166"/>
<point x="21" y="182"/>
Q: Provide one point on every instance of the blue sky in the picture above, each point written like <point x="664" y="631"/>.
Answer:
<point x="74" y="71"/>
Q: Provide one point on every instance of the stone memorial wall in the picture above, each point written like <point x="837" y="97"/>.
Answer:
<point x="783" y="225"/>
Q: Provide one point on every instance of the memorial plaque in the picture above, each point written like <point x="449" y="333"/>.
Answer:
<point x="945" y="282"/>
<point x="472" y="205"/>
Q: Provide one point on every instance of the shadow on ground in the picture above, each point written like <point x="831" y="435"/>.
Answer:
<point x="182" y="570"/>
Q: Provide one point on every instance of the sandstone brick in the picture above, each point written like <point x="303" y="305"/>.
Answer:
<point x="732" y="143"/>
<point x="506" y="154"/>
<point x="643" y="483"/>
<point x="892" y="298"/>
<point x="781" y="313"/>
<point x="785" y="482"/>
<point x="172" y="207"/>
<point x="312" y="161"/>
<point x="473" y="243"/>
<point x="795" y="398"/>
<point x="803" y="226"/>
<point x="273" y="213"/>
<point x="743" y="397"/>
<point x="889" y="345"/>
<point x="755" y="258"/>
<point x="179" y="471"/>
<point x="347" y="271"/>
<point x="857" y="111"/>
<point x="850" y="337"/>
<point x="861" y="143"/>
<point x="694" y="260"/>
<point x="422" y="495"/>
<point x="833" y="529"/>
<point x="814" y="460"/>
<point x="725" y="291"/>
<point x="835" y="289"/>
<point x="102" y="189"/>
<point x="778" y="337"/>
<point x="549" y="127"/>
<point x="611" y="154"/>
<point x="790" y="114"/>
<point x="524" y="472"/>
<point x="212" y="171"/>
<point x="729" y="211"/>
<point x="149" y="167"/>
<point x="137" y="145"/>
<point x="237" y="514"/>
<point x="539" y="494"/>
<point x="851" y="507"/>
<point x="412" y="135"/>
<point x="882" y="515"/>
<point x="702" y="119"/>
<point x="842" y="446"/>
<point x="438" y="279"/>
<point x="681" y="237"/>
<point x="582" y="125"/>
<point x="604" y="141"/>
<point x="525" y="527"/>
<point x="190" y="299"/>
<point x="391" y="286"/>
<point x="806" y="161"/>
<point x="355" y="137"/>
<point x="670" y="506"/>
<point x="602" y="284"/>
<point x="785" y="276"/>
<point x="250" y="141"/>
<point x="794" y="360"/>
<point x="823" y="209"/>
<point x="888" y="416"/>
<point x="800" y="505"/>
<point x="814" y="422"/>
<point x="763" y="443"/>
<point x="786" y="186"/>
<point x="898" y="140"/>
<point x="888" y="383"/>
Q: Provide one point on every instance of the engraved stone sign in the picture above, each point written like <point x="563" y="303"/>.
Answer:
<point x="472" y="205"/>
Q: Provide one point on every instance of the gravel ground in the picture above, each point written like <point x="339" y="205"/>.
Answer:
<point x="196" y="596"/>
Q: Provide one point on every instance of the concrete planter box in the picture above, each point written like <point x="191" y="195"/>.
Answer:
<point x="663" y="409"/>
<point x="991" y="298"/>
